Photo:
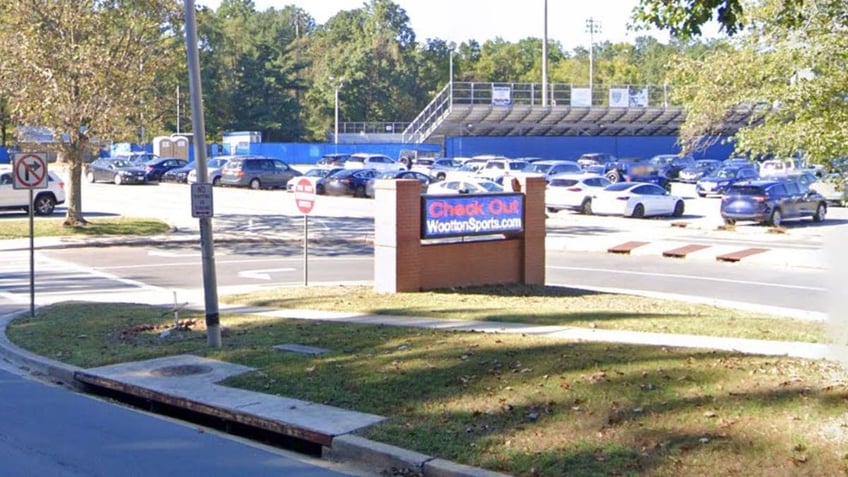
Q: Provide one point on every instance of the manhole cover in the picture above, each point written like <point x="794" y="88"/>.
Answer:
<point x="182" y="370"/>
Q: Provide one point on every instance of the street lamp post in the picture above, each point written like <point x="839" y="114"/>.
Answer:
<point x="592" y="26"/>
<point x="337" y="85"/>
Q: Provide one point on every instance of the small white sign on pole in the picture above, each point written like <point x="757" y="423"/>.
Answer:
<point x="201" y="200"/>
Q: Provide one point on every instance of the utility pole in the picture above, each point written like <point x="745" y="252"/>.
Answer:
<point x="198" y="128"/>
<point x="545" y="58"/>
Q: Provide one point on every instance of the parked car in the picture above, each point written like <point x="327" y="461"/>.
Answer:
<point x="775" y="168"/>
<point x="119" y="171"/>
<point x="420" y="176"/>
<point x="213" y="170"/>
<point x="549" y="168"/>
<point x="723" y="178"/>
<point x="464" y="186"/>
<point x="771" y="201"/>
<point x="465" y="171"/>
<point x="346" y="182"/>
<point x="178" y="174"/>
<point x="495" y="169"/>
<point x="332" y="160"/>
<point x="257" y="172"/>
<point x="832" y="187"/>
<point x="670" y="165"/>
<point x="137" y="158"/>
<point x="313" y="175"/>
<point x="601" y="163"/>
<point x="155" y="168"/>
<point x="573" y="191"/>
<point x="635" y="199"/>
<point x="372" y="161"/>
<point x="44" y="201"/>
<point x="437" y="168"/>
<point x="701" y="168"/>
<point x="642" y="171"/>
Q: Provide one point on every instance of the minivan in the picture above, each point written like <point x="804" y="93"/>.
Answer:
<point x="257" y="172"/>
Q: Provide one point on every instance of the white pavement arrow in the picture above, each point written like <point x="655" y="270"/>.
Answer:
<point x="263" y="274"/>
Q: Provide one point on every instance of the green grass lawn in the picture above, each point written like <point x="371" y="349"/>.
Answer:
<point x="524" y="405"/>
<point x="546" y="305"/>
<point x="53" y="227"/>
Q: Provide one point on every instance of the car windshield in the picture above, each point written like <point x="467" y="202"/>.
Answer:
<point x="491" y="186"/>
<point x="536" y="167"/>
<point x="619" y="186"/>
<point x="745" y="190"/>
<point x="563" y="182"/>
<point x="726" y="173"/>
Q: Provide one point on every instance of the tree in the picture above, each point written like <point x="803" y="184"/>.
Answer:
<point x="87" y="70"/>
<point x="684" y="18"/>
<point x="791" y="74"/>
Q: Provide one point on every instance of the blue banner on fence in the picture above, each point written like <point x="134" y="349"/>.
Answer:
<point x="455" y="216"/>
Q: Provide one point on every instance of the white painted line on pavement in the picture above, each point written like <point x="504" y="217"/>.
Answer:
<point x="689" y="277"/>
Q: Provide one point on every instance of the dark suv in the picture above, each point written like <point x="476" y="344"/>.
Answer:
<point x="257" y="172"/>
<point x="771" y="202"/>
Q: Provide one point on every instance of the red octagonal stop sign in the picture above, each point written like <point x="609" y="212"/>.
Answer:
<point x="304" y="195"/>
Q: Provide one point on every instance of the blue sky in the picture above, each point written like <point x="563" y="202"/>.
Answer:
<point x="460" y="20"/>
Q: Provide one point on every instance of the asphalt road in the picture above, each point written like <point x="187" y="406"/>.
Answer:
<point x="50" y="431"/>
<point x="117" y="272"/>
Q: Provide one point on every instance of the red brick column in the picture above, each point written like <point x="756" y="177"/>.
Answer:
<point x="397" y="236"/>
<point x="534" y="230"/>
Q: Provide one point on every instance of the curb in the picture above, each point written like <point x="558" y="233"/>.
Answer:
<point x="354" y="449"/>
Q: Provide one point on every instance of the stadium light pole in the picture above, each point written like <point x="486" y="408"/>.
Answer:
<point x="545" y="57"/>
<point x="337" y="85"/>
<point x="592" y="26"/>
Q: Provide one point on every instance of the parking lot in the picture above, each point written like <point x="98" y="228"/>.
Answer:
<point x="258" y="211"/>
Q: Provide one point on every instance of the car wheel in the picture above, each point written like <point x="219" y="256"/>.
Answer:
<point x="44" y="204"/>
<point x="586" y="207"/>
<point x="359" y="191"/>
<point x="821" y="212"/>
<point x="613" y="176"/>
<point x="678" y="209"/>
<point x="776" y="218"/>
<point x="701" y="194"/>
<point x="638" y="211"/>
<point x="728" y="221"/>
<point x="553" y="210"/>
<point x="89" y="176"/>
<point x="319" y="189"/>
<point x="118" y="180"/>
<point x="216" y="182"/>
<point x="255" y="184"/>
<point x="440" y="176"/>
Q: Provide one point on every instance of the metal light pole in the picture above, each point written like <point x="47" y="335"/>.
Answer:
<point x="337" y="85"/>
<point x="452" y="47"/>
<point x="592" y="26"/>
<point x="545" y="58"/>
<point x="210" y="285"/>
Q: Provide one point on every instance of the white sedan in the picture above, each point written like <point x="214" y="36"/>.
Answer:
<point x="636" y="199"/>
<point x="464" y="186"/>
<point x="573" y="191"/>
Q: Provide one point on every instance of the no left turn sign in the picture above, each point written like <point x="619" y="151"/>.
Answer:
<point x="30" y="170"/>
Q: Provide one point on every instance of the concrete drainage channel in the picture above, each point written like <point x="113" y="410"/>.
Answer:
<point x="219" y="423"/>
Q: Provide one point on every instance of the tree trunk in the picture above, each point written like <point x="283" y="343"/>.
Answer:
<point x="74" y="156"/>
